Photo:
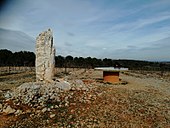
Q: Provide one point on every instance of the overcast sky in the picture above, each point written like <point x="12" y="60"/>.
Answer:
<point x="117" y="29"/>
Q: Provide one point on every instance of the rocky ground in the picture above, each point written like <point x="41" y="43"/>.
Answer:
<point x="141" y="101"/>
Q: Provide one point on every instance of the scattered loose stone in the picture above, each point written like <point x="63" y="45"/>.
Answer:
<point x="18" y="112"/>
<point x="44" y="110"/>
<point x="9" y="110"/>
<point x="64" y="85"/>
<point x="7" y="95"/>
<point x="1" y="106"/>
<point x="53" y="115"/>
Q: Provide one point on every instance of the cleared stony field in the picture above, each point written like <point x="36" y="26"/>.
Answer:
<point x="144" y="102"/>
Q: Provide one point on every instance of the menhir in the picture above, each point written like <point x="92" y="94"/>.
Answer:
<point x="45" y="57"/>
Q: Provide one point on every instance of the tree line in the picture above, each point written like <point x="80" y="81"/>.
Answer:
<point x="21" y="58"/>
<point x="26" y="58"/>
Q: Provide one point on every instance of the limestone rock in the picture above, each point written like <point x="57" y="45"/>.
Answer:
<point x="18" y="112"/>
<point x="45" y="57"/>
<point x="63" y="85"/>
<point x="1" y="107"/>
<point x="9" y="110"/>
<point x="8" y="95"/>
<point x="52" y="115"/>
<point x="44" y="110"/>
<point x="38" y="93"/>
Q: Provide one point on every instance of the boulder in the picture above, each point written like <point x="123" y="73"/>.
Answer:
<point x="63" y="85"/>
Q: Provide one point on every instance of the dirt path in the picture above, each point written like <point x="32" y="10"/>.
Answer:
<point x="142" y="102"/>
<point x="146" y="82"/>
<point x="135" y="81"/>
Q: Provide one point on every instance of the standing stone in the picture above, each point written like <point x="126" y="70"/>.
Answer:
<point x="45" y="57"/>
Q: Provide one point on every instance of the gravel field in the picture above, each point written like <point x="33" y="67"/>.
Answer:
<point x="144" y="102"/>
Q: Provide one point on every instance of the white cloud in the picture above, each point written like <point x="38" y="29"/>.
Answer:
<point x="96" y="28"/>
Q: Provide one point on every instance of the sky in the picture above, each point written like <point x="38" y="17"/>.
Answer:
<point x="116" y="29"/>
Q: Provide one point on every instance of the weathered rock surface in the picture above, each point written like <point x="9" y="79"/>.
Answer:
<point x="44" y="110"/>
<point x="1" y="107"/>
<point x="18" y="112"/>
<point x="64" y="85"/>
<point x="39" y="93"/>
<point x="52" y="115"/>
<point x="7" y="95"/>
<point x="9" y="110"/>
<point x="45" y="57"/>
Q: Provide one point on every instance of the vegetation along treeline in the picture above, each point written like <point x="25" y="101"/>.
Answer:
<point x="26" y="58"/>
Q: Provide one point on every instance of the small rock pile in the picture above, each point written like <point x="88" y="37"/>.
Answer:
<point x="38" y="95"/>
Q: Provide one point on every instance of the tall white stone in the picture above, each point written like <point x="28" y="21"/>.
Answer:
<point x="45" y="57"/>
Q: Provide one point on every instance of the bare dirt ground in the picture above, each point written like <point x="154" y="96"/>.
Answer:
<point x="144" y="102"/>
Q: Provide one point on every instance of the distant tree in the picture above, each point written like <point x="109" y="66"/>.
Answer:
<point x="88" y="62"/>
<point x="59" y="61"/>
<point x="79" y="61"/>
<point x="76" y="62"/>
<point x="26" y="58"/>
<point x="162" y="68"/>
<point x="5" y="56"/>
<point x="108" y="62"/>
<point x="117" y="65"/>
<point x="69" y="61"/>
<point x="22" y="58"/>
<point x="30" y="57"/>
